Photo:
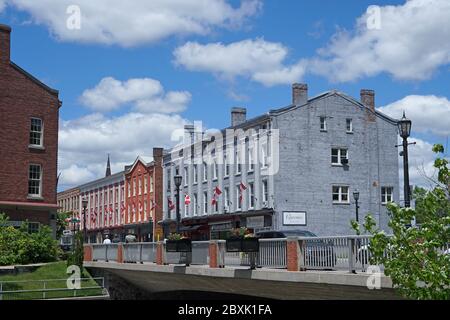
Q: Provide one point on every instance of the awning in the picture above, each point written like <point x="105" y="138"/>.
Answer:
<point x="190" y="228"/>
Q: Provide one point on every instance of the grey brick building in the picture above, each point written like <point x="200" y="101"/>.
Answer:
<point x="291" y="168"/>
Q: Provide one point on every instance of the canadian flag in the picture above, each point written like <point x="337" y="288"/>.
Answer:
<point x="217" y="191"/>
<point x="140" y="206"/>
<point x="154" y="205"/>
<point x="171" y="205"/>
<point x="187" y="199"/>
<point x="242" y="188"/>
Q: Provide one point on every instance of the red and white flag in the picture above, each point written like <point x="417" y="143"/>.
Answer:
<point x="242" y="188"/>
<point x="217" y="191"/>
<point x="171" y="205"/>
<point x="154" y="205"/>
<point x="187" y="199"/>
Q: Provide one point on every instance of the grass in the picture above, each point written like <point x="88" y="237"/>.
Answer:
<point x="32" y="281"/>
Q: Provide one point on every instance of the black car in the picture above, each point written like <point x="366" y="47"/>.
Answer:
<point x="317" y="253"/>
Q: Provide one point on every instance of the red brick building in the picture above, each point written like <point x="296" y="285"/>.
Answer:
<point x="143" y="185"/>
<point x="29" y="112"/>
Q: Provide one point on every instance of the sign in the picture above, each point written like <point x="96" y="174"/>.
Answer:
<point x="255" y="222"/>
<point x="297" y="218"/>
<point x="221" y="226"/>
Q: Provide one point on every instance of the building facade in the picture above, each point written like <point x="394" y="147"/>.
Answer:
<point x="69" y="202"/>
<point x="292" y="168"/>
<point x="29" y="111"/>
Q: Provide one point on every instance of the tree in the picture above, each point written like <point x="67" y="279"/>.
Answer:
<point x="415" y="257"/>
<point x="61" y="223"/>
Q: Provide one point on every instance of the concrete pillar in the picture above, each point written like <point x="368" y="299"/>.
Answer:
<point x="120" y="253"/>
<point x="213" y="254"/>
<point x="294" y="254"/>
<point x="160" y="253"/>
<point x="87" y="253"/>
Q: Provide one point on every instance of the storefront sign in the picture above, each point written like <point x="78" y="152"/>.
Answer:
<point x="294" y="218"/>
<point x="221" y="226"/>
<point x="255" y="222"/>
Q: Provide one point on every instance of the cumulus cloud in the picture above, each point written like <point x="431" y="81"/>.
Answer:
<point x="258" y="60"/>
<point x="429" y="114"/>
<point x="146" y="95"/>
<point x="84" y="143"/>
<point x="140" y="21"/>
<point x="411" y="43"/>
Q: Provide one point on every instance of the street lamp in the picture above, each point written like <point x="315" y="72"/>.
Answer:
<point x="84" y="203"/>
<point x="356" y="197"/>
<point x="177" y="180"/>
<point x="404" y="130"/>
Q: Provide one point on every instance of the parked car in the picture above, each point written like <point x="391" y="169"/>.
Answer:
<point x="318" y="253"/>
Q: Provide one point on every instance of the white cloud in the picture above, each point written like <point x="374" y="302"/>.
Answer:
<point x="2" y="4"/>
<point x="130" y="23"/>
<point x="146" y="95"/>
<point x="258" y="60"/>
<point x="411" y="44"/>
<point x="429" y="114"/>
<point x="85" y="142"/>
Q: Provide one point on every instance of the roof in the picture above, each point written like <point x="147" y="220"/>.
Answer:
<point x="111" y="177"/>
<point x="35" y="80"/>
<point x="128" y="169"/>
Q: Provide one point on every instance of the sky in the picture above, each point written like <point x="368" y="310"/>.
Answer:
<point x="130" y="73"/>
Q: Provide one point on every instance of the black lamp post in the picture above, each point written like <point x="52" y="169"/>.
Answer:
<point x="177" y="180"/>
<point x="356" y="197"/>
<point x="84" y="203"/>
<point x="404" y="130"/>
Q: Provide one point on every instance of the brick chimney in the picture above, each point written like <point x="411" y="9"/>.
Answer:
<point x="368" y="98"/>
<point x="5" y="44"/>
<point x="299" y="94"/>
<point x="238" y="116"/>
<point x="158" y="155"/>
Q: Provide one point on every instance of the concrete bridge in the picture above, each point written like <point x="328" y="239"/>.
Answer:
<point x="146" y="271"/>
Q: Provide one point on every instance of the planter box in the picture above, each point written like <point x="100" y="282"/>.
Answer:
<point x="240" y="244"/>
<point x="183" y="245"/>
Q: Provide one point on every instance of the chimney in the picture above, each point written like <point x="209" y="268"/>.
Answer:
<point x="158" y="155"/>
<point x="238" y="116"/>
<point x="368" y="98"/>
<point x="299" y="94"/>
<point x="5" y="44"/>
<point x="189" y="130"/>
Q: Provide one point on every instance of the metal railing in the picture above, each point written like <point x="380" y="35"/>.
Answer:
<point x="200" y="252"/>
<point x="50" y="289"/>
<point x="104" y="252"/>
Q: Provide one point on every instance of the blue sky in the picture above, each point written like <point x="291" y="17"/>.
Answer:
<point x="297" y="30"/>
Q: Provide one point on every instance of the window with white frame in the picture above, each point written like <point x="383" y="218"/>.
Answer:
<point x="36" y="132"/>
<point x="134" y="186"/>
<point x="205" y="171"/>
<point x="387" y="194"/>
<point x="140" y="185"/>
<point x="238" y="161"/>
<point x="323" y="124"/>
<point x="340" y="194"/>
<point x="205" y="202"/>
<point x="264" y="154"/>
<point x="195" y="204"/>
<point x="349" y="125"/>
<point x="33" y="227"/>
<point x="337" y="155"/>
<point x="34" y="180"/>
<point x="186" y="176"/>
<point x="251" y="165"/>
<point x="251" y="195"/>
<point x="195" y="173"/>
<point x="238" y="198"/>
<point x="129" y="190"/>
<point x="215" y="170"/>
<point x="227" y="166"/>
<point x="151" y="183"/>
<point x="226" y="198"/>
<point x="265" y="192"/>
<point x="145" y="184"/>
<point x="169" y="178"/>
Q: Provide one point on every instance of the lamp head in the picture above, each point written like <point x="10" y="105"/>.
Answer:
<point x="404" y="127"/>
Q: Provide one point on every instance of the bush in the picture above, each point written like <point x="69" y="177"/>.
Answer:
<point x="18" y="246"/>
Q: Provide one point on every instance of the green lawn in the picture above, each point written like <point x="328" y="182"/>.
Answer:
<point x="31" y="281"/>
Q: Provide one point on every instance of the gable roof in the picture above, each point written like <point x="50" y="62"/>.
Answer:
<point x="128" y="169"/>
<point x="35" y="80"/>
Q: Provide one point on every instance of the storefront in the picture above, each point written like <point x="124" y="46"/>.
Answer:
<point x="142" y="231"/>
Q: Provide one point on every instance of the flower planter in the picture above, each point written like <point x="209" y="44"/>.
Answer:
<point x="241" y="244"/>
<point x="182" y="245"/>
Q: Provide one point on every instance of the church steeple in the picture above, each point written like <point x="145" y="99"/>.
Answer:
<point x="108" y="168"/>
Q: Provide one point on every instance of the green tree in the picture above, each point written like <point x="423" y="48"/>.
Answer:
<point x="61" y="223"/>
<point x="414" y="257"/>
<point x="77" y="254"/>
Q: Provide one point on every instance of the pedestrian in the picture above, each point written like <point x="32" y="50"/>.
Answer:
<point x="106" y="241"/>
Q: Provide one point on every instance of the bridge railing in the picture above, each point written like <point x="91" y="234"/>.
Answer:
<point x="139" y="252"/>
<point x="105" y="252"/>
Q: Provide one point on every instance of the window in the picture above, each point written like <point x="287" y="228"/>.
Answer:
<point x="145" y="185"/>
<point x="387" y="194"/>
<point x="34" y="180"/>
<point x="238" y="162"/>
<point x="205" y="202"/>
<point x="186" y="176"/>
<point x="169" y="178"/>
<point x="323" y="124"/>
<point x="337" y="155"/>
<point x="238" y="198"/>
<point x="227" y="166"/>
<point x="36" y="132"/>
<point x="140" y="185"/>
<point x="251" y="195"/>
<point x="195" y="173"/>
<point x="265" y="191"/>
<point x="226" y="198"/>
<point x="349" y="125"/>
<point x="151" y="183"/>
<point x="33" y="227"/>
<point x="205" y="171"/>
<point x="250" y="159"/>
<point x="264" y="154"/>
<point x="129" y="190"/>
<point x="134" y="186"/>
<point x="215" y="170"/>
<point x="195" y="204"/>
<point x="340" y="194"/>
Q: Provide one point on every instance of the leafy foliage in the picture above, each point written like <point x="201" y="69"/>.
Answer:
<point x="18" y="246"/>
<point x="415" y="257"/>
<point x="77" y="254"/>
<point x="61" y="223"/>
